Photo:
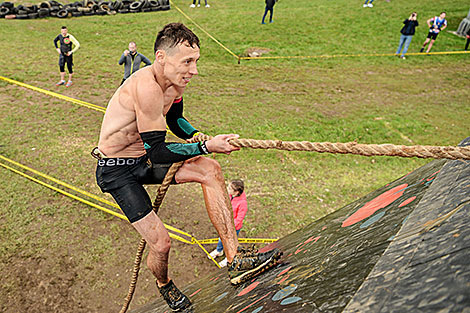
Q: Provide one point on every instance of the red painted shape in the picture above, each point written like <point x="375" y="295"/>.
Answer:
<point x="269" y="247"/>
<point x="283" y="279"/>
<point x="315" y="239"/>
<point x="375" y="204"/>
<point x="312" y="239"/>
<point x="194" y="293"/>
<point x="284" y="271"/>
<point x="248" y="289"/>
<point x="255" y="302"/>
<point x="407" y="201"/>
<point x="215" y="277"/>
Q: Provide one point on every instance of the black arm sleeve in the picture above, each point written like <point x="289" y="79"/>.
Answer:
<point x="55" y="41"/>
<point x="161" y="152"/>
<point x="177" y="123"/>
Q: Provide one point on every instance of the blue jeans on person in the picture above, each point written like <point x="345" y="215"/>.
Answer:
<point x="270" y="15"/>
<point x="220" y="246"/>
<point x="406" y="40"/>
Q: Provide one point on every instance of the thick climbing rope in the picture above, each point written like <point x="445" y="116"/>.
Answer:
<point x="426" y="152"/>
<point x="436" y="152"/>
<point x="140" y="250"/>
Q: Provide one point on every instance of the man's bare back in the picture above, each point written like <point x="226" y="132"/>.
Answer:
<point x="119" y="135"/>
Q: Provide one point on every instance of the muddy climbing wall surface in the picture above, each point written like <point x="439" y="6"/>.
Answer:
<point x="404" y="247"/>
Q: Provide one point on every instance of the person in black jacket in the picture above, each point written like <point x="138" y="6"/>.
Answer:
<point x="270" y="8"/>
<point x="407" y="33"/>
<point x="468" y="40"/>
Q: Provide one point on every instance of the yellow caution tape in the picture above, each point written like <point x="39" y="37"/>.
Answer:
<point x="53" y="94"/>
<point x="240" y="240"/>
<point x="349" y="55"/>
<point x="303" y="56"/>
<point x="203" y="30"/>
<point x="192" y="240"/>
<point x="62" y="192"/>
<point x="57" y="95"/>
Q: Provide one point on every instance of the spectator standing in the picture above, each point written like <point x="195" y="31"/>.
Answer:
<point x="66" y="52"/>
<point x="199" y="4"/>
<point x="269" y="7"/>
<point x="240" y="207"/>
<point x="368" y="3"/>
<point x="131" y="60"/>
<point x="407" y="33"/>
<point x="436" y="25"/>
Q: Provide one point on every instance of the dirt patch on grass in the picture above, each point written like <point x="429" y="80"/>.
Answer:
<point x="255" y="52"/>
<point x="88" y="269"/>
<point x="35" y="290"/>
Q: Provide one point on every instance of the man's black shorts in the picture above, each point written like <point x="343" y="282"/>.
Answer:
<point x="432" y="35"/>
<point x="66" y="59"/>
<point x="123" y="179"/>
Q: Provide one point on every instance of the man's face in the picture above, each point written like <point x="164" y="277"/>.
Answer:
<point x="132" y="47"/>
<point x="63" y="32"/>
<point x="442" y="16"/>
<point x="181" y="65"/>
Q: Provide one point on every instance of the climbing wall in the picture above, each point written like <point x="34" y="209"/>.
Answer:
<point x="404" y="245"/>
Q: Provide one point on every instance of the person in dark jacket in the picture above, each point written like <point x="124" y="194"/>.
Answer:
<point x="270" y="8"/>
<point x="407" y="33"/>
<point x="468" y="40"/>
<point x="131" y="60"/>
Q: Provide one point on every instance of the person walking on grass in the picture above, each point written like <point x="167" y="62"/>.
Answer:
<point x="66" y="52"/>
<point x="132" y="151"/>
<point x="368" y="3"/>
<point x="131" y="60"/>
<point x="407" y="33"/>
<point x="239" y="206"/>
<point x="193" y="5"/>
<point x="436" y="25"/>
<point x="269" y="7"/>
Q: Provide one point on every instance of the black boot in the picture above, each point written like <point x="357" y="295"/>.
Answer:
<point x="176" y="300"/>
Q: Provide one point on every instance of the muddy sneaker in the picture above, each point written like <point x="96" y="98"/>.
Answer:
<point x="248" y="264"/>
<point x="176" y="300"/>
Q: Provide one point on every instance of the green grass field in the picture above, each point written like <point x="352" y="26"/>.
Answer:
<point x="366" y="99"/>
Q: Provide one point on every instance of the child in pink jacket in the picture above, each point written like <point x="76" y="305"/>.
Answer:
<point x="240" y="207"/>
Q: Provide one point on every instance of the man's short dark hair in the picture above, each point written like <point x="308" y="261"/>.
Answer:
<point x="173" y="34"/>
<point x="64" y="27"/>
<point x="443" y="12"/>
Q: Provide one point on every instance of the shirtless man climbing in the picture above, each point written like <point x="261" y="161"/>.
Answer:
<point x="132" y="151"/>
